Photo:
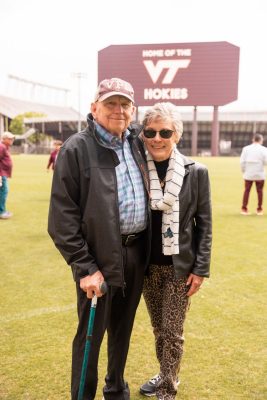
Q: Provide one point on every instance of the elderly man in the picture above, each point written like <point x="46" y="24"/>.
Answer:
<point x="98" y="220"/>
<point x="7" y="139"/>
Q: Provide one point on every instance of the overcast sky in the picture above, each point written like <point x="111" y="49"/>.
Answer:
<point x="49" y="40"/>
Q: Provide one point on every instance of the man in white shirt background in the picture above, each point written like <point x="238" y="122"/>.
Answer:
<point x="252" y="160"/>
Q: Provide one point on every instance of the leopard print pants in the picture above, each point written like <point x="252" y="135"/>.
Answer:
<point x="167" y="303"/>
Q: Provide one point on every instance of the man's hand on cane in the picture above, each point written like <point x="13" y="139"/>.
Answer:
<point x="91" y="284"/>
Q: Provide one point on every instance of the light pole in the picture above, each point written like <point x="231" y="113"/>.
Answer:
<point x="79" y="76"/>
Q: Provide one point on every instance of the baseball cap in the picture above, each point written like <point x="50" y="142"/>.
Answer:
<point x="114" y="87"/>
<point x="7" y="135"/>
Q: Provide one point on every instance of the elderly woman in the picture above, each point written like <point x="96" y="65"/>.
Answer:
<point x="181" y="241"/>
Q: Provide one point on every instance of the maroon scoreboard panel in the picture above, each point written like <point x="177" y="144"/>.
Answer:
<point x="186" y="74"/>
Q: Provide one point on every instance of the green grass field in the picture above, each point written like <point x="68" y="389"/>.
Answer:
<point x="225" y="330"/>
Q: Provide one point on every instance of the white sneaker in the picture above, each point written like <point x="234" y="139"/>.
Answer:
<point x="6" y="215"/>
<point x="244" y="212"/>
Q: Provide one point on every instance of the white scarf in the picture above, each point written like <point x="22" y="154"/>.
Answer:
<point x="169" y="201"/>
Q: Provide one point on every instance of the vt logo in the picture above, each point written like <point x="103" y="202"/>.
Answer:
<point x="172" y="67"/>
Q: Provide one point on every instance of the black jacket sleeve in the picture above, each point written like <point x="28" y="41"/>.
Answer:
<point x="203" y="221"/>
<point x="65" y="214"/>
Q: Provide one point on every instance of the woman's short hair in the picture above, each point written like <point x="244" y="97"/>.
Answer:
<point x="166" y="112"/>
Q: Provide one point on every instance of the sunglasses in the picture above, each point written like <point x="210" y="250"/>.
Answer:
<point x="164" y="133"/>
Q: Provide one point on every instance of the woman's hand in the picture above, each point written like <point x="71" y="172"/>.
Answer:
<point x="194" y="281"/>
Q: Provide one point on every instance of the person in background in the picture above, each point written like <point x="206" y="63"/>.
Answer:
<point x="181" y="241"/>
<point x="7" y="139"/>
<point x="53" y="155"/>
<point x="99" y="221"/>
<point x="252" y="160"/>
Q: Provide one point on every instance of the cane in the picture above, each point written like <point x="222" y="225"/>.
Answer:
<point x="103" y="288"/>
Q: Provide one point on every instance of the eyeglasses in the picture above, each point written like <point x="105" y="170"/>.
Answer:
<point x="164" y="133"/>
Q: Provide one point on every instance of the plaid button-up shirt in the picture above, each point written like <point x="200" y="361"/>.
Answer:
<point x="131" y="191"/>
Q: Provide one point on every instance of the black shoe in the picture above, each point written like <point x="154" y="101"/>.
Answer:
<point x="149" y="388"/>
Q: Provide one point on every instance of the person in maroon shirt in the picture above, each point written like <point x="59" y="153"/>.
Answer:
<point x="7" y="139"/>
<point x="53" y="155"/>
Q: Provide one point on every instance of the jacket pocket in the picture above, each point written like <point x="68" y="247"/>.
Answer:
<point x="185" y="221"/>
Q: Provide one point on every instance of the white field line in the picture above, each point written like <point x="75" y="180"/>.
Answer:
<point x="36" y="313"/>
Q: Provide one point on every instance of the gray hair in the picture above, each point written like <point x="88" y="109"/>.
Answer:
<point x="166" y="112"/>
